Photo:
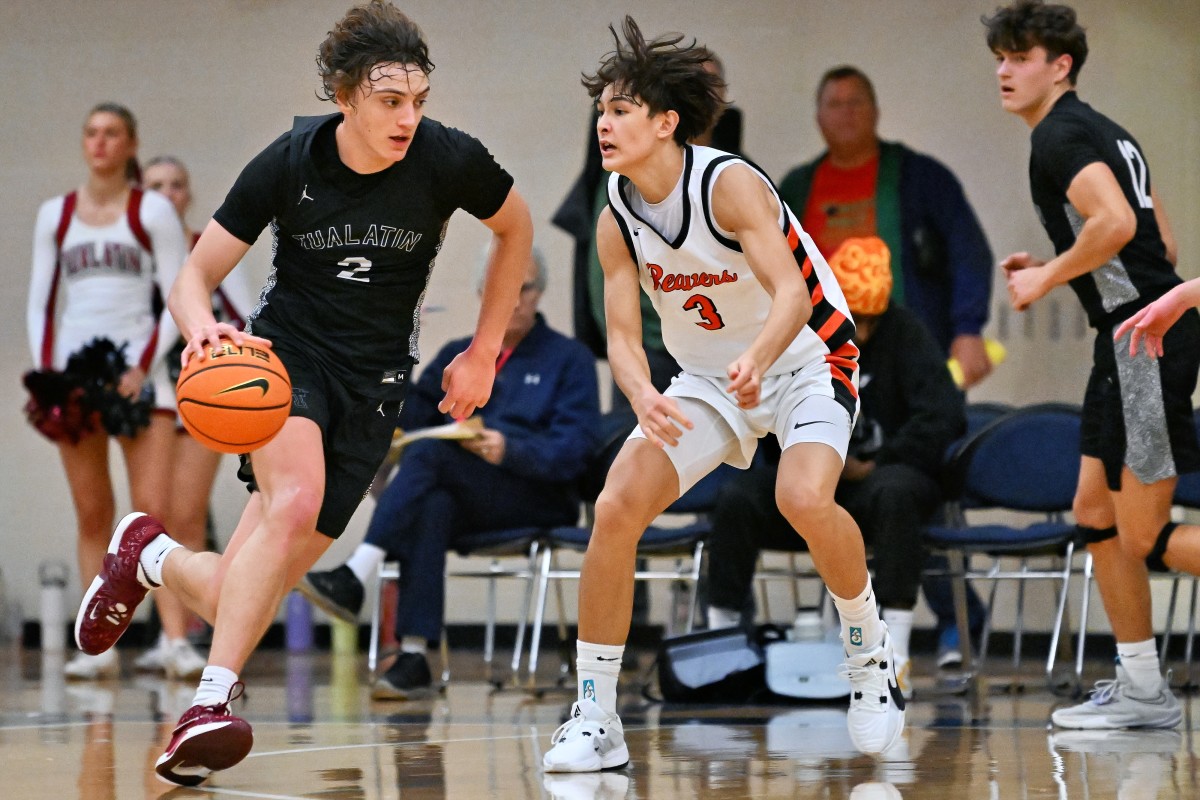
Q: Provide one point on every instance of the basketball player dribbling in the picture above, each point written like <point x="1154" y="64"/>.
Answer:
<point x="764" y="339"/>
<point x="1091" y="186"/>
<point x="358" y="203"/>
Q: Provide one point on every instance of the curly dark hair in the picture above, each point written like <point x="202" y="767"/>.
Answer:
<point x="1029" y="23"/>
<point x="370" y="34"/>
<point x="663" y="76"/>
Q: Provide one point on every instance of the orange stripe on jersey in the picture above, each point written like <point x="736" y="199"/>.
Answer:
<point x="848" y="350"/>
<point x="793" y="237"/>
<point x="817" y="294"/>
<point x="839" y="375"/>
<point x="848" y="364"/>
<point x="806" y="268"/>
<point x="831" y="325"/>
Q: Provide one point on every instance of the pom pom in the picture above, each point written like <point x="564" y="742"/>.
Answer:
<point x="57" y="407"/>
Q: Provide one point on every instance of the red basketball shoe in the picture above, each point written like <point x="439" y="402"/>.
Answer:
<point x="207" y="739"/>
<point x="110" y="601"/>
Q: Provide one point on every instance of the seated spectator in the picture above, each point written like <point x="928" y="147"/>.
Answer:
<point x="539" y="430"/>
<point x="910" y="413"/>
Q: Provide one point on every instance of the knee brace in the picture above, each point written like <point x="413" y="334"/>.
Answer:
<point x="1154" y="561"/>
<point x="1095" y="535"/>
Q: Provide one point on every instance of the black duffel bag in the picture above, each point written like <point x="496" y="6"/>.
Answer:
<point x="721" y="666"/>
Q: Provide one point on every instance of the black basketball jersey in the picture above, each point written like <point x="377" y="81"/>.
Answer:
<point x="353" y="253"/>
<point x="1072" y="136"/>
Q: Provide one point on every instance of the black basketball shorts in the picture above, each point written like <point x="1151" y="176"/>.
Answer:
<point x="1137" y="411"/>
<point x="357" y="432"/>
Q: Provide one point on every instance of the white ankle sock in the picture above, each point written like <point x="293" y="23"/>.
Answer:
<point x="215" y="685"/>
<point x="413" y="644"/>
<point x="723" y="618"/>
<point x="152" y="558"/>
<point x="1140" y="660"/>
<point x="899" y="624"/>
<point x="861" y="627"/>
<point x="364" y="562"/>
<point x="597" y="667"/>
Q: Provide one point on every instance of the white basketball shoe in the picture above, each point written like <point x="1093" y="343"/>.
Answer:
<point x="591" y="740"/>
<point x="876" y="715"/>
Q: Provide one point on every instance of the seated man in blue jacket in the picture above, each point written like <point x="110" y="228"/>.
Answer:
<point x="540" y="429"/>
<point x="910" y="412"/>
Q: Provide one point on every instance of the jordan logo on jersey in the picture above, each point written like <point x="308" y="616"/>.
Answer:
<point x="304" y="195"/>
<point x="676" y="282"/>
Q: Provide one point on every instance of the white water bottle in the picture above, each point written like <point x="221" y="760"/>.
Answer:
<point x="53" y="577"/>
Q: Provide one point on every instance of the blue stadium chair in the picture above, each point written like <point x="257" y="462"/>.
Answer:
<point x="1187" y="498"/>
<point x="1025" y="462"/>
<point x="684" y="544"/>
<point x="510" y="554"/>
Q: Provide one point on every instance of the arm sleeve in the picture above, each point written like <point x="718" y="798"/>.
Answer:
<point x="169" y="241"/>
<point x="935" y="407"/>
<point x="45" y="255"/>
<point x="559" y="452"/>
<point x="258" y="193"/>
<point x="969" y="258"/>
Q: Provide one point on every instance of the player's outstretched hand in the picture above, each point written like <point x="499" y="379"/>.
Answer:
<point x="745" y="381"/>
<point x="660" y="418"/>
<point x="1151" y="324"/>
<point x="467" y="382"/>
<point x="213" y="333"/>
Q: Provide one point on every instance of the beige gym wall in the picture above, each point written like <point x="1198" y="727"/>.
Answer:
<point x="214" y="81"/>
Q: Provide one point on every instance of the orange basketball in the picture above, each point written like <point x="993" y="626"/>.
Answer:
<point x="236" y="399"/>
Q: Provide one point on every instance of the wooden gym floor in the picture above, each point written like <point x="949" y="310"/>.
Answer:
<point x="319" y="735"/>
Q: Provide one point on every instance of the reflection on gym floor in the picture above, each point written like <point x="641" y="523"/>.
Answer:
<point x="318" y="734"/>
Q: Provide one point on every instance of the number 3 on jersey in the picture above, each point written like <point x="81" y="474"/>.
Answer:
<point x="710" y="319"/>
<point x="360" y="267"/>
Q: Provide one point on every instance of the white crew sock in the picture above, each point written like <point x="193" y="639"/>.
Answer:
<point x="899" y="624"/>
<point x="723" y="618"/>
<point x="1140" y="660"/>
<point x="365" y="560"/>
<point x="861" y="627"/>
<point x="215" y="685"/>
<point x="413" y="644"/>
<point x="597" y="667"/>
<point x="152" y="558"/>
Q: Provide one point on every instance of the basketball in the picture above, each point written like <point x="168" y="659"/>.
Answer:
<point x="236" y="399"/>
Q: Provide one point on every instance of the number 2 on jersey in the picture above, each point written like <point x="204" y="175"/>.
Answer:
<point x="711" y="320"/>
<point x="361" y="267"/>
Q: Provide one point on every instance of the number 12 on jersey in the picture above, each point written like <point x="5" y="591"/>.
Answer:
<point x="1137" y="172"/>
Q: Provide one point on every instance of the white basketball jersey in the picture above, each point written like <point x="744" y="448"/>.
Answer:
<point x="108" y="278"/>
<point x="711" y="303"/>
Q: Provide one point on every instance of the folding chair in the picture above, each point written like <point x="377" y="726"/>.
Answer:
<point x="685" y="544"/>
<point x="1187" y="497"/>
<point x="1025" y="461"/>
<point x="519" y="545"/>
